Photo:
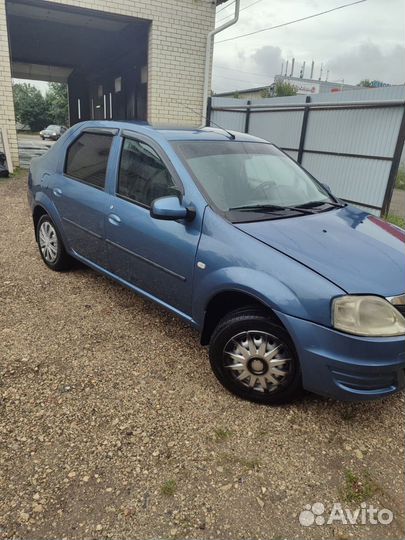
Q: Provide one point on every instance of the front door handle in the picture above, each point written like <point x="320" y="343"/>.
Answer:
<point x="57" y="192"/>
<point x="114" y="219"/>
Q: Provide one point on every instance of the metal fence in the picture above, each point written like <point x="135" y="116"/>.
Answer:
<point x="351" y="141"/>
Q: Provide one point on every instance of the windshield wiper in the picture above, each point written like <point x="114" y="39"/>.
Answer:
<point x="314" y="204"/>
<point x="272" y="207"/>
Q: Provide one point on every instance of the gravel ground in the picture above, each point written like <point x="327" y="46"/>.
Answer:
<point x="112" y="425"/>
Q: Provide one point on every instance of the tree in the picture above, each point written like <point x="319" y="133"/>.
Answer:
<point x="373" y="84"/>
<point x="366" y="83"/>
<point x="56" y="100"/>
<point x="285" y="89"/>
<point x="30" y="106"/>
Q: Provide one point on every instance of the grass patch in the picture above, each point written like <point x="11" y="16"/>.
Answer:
<point x="400" y="180"/>
<point x="253" y="464"/>
<point x="221" y="435"/>
<point x="396" y="220"/>
<point x="250" y="463"/>
<point x="18" y="172"/>
<point x="168" y="488"/>
<point x="358" y="489"/>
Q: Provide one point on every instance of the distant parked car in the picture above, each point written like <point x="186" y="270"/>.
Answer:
<point x="52" y="132"/>
<point x="290" y="286"/>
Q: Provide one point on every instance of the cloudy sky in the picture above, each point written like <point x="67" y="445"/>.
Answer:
<point x="361" y="41"/>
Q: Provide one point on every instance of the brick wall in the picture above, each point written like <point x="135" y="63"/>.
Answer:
<point x="7" y="118"/>
<point x="177" y="43"/>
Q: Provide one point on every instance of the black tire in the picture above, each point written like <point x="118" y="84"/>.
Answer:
<point x="243" y="323"/>
<point x="60" y="260"/>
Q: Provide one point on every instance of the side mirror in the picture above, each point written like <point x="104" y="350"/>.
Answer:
<point x="168" y="208"/>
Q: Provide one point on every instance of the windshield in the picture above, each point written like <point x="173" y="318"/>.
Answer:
<point x="242" y="175"/>
<point x="52" y="128"/>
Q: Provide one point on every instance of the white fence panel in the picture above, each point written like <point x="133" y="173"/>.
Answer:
<point x="371" y="132"/>
<point x="353" y="179"/>
<point x="279" y="127"/>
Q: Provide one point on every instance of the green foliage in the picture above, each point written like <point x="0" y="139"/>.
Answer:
<point x="366" y="83"/>
<point x="222" y="434"/>
<point x="168" y="488"/>
<point x="372" y="84"/>
<point x="400" y="180"/>
<point x="236" y="95"/>
<point x="285" y="89"/>
<point x="396" y="220"/>
<point x="265" y="93"/>
<point x="30" y="107"/>
<point x="357" y="488"/>
<point x="36" y="111"/>
<point x="57" y="104"/>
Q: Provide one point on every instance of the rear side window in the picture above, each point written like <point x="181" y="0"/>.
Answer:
<point x="143" y="176"/>
<point x="87" y="158"/>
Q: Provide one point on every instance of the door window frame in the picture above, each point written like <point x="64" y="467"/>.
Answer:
<point x="112" y="132"/>
<point x="127" y="134"/>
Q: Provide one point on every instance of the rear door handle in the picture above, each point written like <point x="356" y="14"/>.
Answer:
<point x="57" y="192"/>
<point x="114" y="219"/>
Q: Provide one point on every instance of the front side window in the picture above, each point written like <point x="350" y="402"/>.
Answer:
<point x="143" y="176"/>
<point x="87" y="158"/>
<point x="238" y="176"/>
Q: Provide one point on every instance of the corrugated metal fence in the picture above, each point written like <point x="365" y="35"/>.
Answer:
<point x="352" y="140"/>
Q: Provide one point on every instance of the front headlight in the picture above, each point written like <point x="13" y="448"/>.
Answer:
<point x="367" y="316"/>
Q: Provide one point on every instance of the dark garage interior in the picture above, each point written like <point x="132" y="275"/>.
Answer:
<point x="102" y="58"/>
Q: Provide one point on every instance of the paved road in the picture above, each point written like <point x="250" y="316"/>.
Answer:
<point x="30" y="146"/>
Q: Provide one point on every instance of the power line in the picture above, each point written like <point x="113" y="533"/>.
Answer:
<point x="292" y="22"/>
<point x="240" y="71"/>
<point x="241" y="80"/>
<point x="243" y="9"/>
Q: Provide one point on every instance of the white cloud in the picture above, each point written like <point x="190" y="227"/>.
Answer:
<point x="361" y="41"/>
<point x="369" y="61"/>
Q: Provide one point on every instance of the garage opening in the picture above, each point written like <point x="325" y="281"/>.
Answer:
<point x="102" y="58"/>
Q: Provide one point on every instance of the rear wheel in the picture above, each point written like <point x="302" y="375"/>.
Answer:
<point x="50" y="245"/>
<point x="255" y="358"/>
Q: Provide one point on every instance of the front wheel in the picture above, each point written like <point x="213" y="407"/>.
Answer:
<point x="255" y="358"/>
<point x="50" y="245"/>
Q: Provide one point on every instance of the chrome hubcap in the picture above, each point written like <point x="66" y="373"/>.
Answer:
<point x="48" y="241"/>
<point x="258" y="360"/>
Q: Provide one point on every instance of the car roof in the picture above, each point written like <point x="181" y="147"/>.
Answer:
<point x="171" y="133"/>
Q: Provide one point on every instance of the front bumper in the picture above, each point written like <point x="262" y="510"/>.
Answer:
<point x="347" y="367"/>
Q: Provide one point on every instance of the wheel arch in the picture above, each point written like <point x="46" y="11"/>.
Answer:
<point x="37" y="213"/>
<point x="43" y="205"/>
<point x="226" y="301"/>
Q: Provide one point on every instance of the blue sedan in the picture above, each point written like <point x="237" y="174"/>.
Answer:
<point x="290" y="287"/>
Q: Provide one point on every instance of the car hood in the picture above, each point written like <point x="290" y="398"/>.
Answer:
<point x="356" y="251"/>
